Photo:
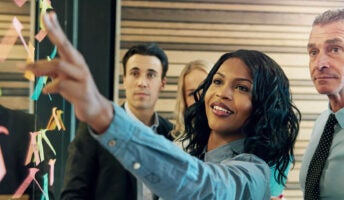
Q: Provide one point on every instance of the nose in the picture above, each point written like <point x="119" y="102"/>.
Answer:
<point x="142" y="81"/>
<point x="322" y="61"/>
<point x="225" y="93"/>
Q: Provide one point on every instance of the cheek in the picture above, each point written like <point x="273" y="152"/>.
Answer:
<point x="155" y="83"/>
<point x="245" y="106"/>
<point x="311" y="67"/>
<point x="129" y="82"/>
<point x="207" y="99"/>
<point x="248" y="111"/>
<point x="185" y="95"/>
<point x="341" y="69"/>
<point x="125" y="83"/>
<point x="189" y="101"/>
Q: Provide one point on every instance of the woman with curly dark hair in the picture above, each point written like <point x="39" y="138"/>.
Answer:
<point x="243" y="121"/>
<point x="270" y="123"/>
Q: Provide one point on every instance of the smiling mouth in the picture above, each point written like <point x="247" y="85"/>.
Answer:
<point x="222" y="110"/>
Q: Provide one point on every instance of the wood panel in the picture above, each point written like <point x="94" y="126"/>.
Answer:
<point x="14" y="88"/>
<point x="193" y="29"/>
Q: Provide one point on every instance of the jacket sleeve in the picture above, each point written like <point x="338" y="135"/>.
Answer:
<point x="81" y="162"/>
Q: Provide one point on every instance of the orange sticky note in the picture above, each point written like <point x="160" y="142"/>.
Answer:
<point x="31" y="55"/>
<point x="40" y="35"/>
<point x="56" y="120"/>
<point x="29" y="75"/>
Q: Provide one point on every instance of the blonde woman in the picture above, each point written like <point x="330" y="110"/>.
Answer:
<point x="190" y="78"/>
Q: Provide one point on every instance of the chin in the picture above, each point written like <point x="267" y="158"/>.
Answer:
<point x="324" y="90"/>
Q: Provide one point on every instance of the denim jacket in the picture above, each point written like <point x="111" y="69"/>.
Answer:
<point x="173" y="174"/>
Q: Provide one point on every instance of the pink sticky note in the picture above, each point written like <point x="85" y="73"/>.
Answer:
<point x="20" y="3"/>
<point x="7" y="43"/>
<point x="40" y="187"/>
<point x="2" y="166"/>
<point x="4" y="130"/>
<point x="52" y="171"/>
<point x="40" y="35"/>
<point x="18" y="27"/>
<point x="33" y="150"/>
<point x="19" y="192"/>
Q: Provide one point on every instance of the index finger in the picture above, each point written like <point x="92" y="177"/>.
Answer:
<point x="58" y="37"/>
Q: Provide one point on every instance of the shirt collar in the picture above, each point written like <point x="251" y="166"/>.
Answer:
<point x="225" y="151"/>
<point x="340" y="117"/>
<point x="154" y="127"/>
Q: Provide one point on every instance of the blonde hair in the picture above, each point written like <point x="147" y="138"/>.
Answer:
<point x="180" y="107"/>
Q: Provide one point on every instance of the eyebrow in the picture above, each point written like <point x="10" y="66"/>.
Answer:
<point x="152" y="71"/>
<point x="237" y="79"/>
<point x="330" y="41"/>
<point x="137" y="68"/>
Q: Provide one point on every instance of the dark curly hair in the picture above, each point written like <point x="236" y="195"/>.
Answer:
<point x="273" y="126"/>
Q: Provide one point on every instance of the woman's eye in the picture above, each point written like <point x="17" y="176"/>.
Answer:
<point x="217" y="81"/>
<point x="242" y="88"/>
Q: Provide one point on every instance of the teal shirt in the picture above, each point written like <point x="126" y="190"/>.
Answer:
<point x="276" y="188"/>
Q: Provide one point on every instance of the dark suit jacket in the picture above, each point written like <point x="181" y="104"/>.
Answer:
<point x="93" y="173"/>
<point x="14" y="149"/>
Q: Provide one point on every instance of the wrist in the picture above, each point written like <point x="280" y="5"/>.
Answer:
<point x="101" y="123"/>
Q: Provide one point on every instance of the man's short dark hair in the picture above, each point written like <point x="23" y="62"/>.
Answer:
<point x="149" y="49"/>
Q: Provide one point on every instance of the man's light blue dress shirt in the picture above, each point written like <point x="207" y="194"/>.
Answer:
<point x="332" y="178"/>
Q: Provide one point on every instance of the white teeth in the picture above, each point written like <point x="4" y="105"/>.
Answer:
<point x="222" y="109"/>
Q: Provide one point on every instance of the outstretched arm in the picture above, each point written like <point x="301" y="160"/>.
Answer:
<point x="165" y="168"/>
<point x="72" y="79"/>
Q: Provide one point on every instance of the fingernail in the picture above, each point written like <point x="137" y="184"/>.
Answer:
<point x="53" y="15"/>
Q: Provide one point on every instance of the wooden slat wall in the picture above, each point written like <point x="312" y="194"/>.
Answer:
<point x="15" y="89"/>
<point x="193" y="29"/>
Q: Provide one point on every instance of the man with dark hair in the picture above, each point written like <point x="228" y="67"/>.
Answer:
<point x="91" y="171"/>
<point x="322" y="172"/>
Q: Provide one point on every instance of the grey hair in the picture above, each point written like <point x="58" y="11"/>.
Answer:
<point x="329" y="16"/>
